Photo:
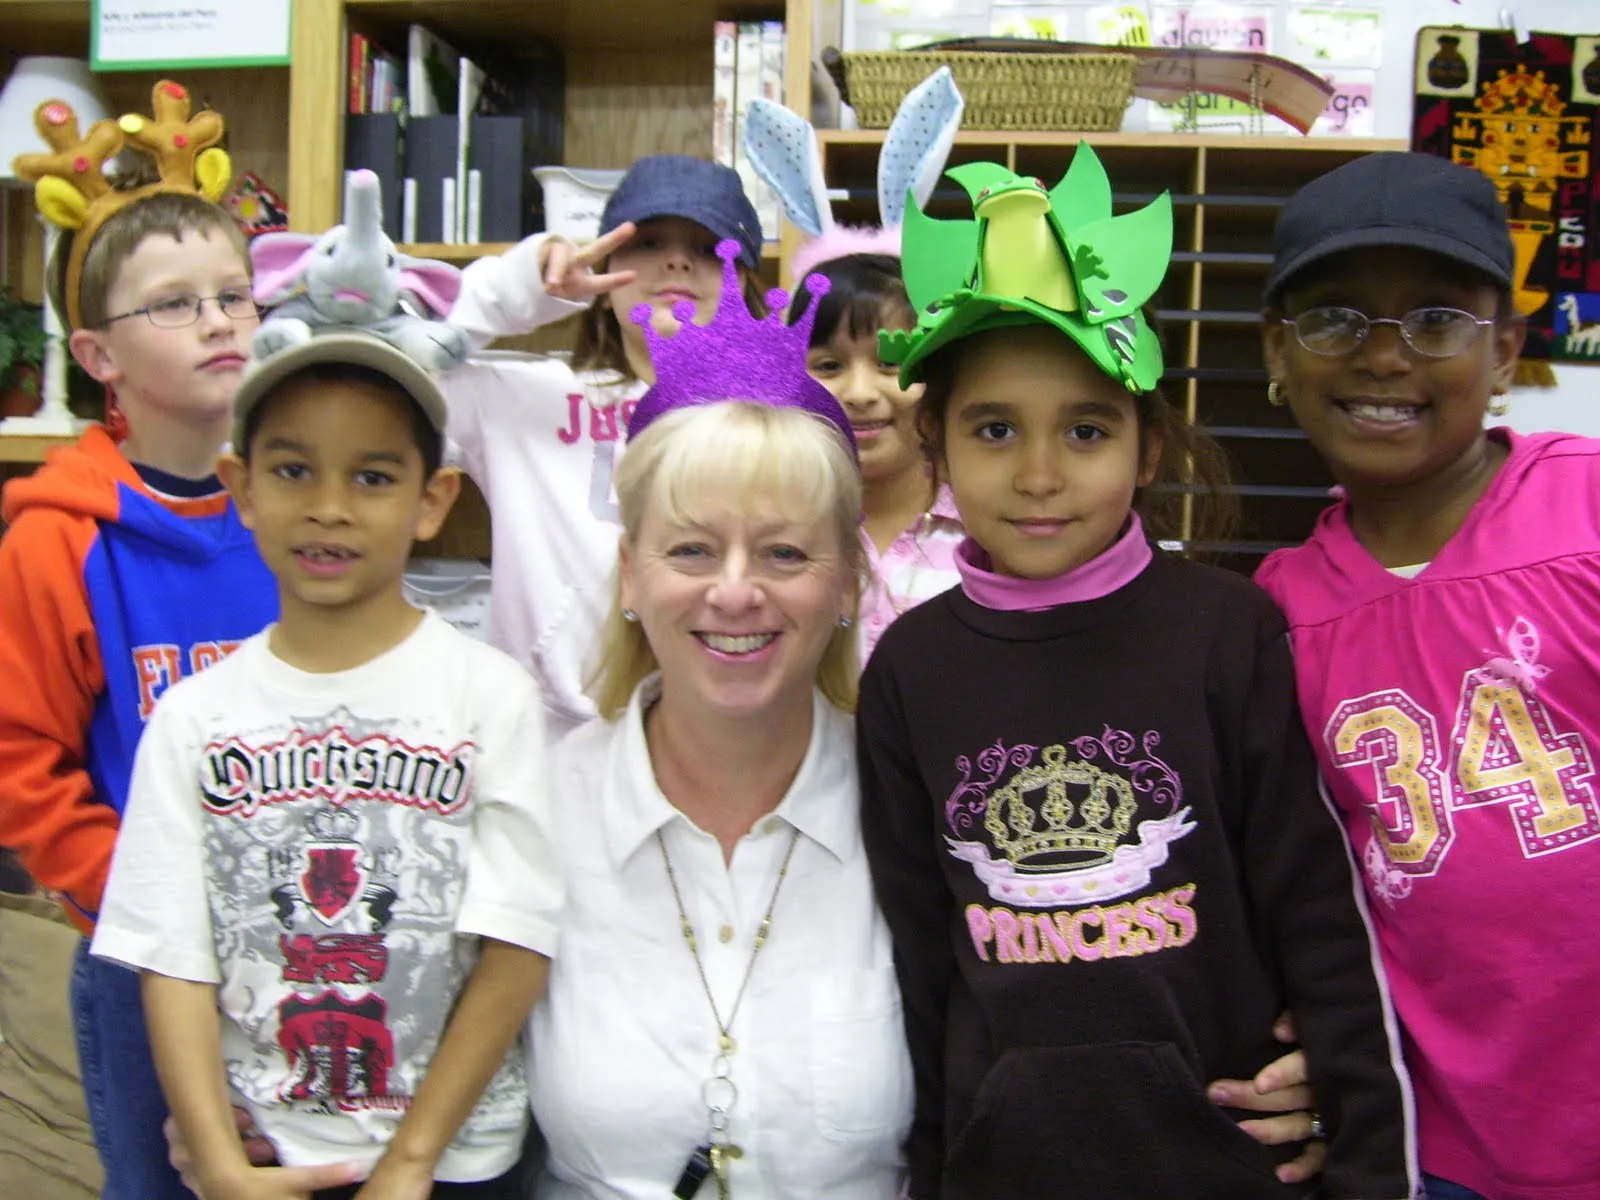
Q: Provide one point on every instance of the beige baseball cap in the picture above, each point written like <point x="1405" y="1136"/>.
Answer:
<point x="355" y="348"/>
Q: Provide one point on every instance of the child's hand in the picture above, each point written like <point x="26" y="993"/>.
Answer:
<point x="257" y="1149"/>
<point x="279" y="1183"/>
<point x="1280" y="1087"/>
<point x="393" y="1179"/>
<point x="568" y="270"/>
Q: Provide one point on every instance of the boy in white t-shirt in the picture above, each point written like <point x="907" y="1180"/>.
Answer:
<point x="336" y="837"/>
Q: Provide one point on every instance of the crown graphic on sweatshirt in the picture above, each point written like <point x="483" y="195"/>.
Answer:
<point x="70" y="185"/>
<point x="1060" y="811"/>
<point x="333" y="825"/>
<point x="737" y="356"/>
<point x="1081" y="822"/>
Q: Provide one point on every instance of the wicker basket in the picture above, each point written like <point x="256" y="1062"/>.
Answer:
<point x="1003" y="91"/>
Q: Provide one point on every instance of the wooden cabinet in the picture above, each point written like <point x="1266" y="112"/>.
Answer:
<point x="638" y="81"/>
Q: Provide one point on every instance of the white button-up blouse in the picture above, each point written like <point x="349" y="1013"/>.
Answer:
<point x="621" y="1048"/>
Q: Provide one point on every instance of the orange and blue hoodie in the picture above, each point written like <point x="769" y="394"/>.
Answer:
<point x="109" y="593"/>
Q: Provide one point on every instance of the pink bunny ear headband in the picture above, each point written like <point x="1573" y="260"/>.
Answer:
<point x="783" y="150"/>
<point x="841" y="241"/>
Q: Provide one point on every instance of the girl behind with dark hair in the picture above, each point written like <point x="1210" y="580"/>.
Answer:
<point x="910" y="526"/>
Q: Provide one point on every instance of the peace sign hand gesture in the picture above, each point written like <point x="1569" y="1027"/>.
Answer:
<point x="568" y="270"/>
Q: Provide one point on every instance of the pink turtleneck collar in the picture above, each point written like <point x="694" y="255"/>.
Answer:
<point x="1114" y="568"/>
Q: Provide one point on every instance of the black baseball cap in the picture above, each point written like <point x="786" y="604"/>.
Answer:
<point x="677" y="185"/>
<point x="1390" y="199"/>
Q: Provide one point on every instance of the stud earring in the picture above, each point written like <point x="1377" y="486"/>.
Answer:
<point x="845" y="622"/>
<point x="1499" y="406"/>
<point x="1275" y="394"/>
<point x="629" y="615"/>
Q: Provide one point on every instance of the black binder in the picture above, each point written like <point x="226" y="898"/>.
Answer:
<point x="430" y="176"/>
<point x="372" y="143"/>
<point x="500" y="176"/>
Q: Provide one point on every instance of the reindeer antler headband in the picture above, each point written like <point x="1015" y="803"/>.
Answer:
<point x="70" y="185"/>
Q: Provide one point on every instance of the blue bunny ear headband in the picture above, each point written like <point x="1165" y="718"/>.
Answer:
<point x="782" y="148"/>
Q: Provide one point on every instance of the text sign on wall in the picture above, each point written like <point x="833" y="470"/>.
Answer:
<point x="144" y="35"/>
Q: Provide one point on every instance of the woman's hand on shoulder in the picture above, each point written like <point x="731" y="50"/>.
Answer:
<point x="1280" y="1088"/>
<point x="569" y="272"/>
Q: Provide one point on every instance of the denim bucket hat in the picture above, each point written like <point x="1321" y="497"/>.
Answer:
<point x="677" y="185"/>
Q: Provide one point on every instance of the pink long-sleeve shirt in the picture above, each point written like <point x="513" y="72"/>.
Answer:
<point x="1456" y="717"/>
<point x="917" y="566"/>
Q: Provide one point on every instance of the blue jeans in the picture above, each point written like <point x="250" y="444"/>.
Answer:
<point x="126" y="1107"/>
<point x="1443" y="1189"/>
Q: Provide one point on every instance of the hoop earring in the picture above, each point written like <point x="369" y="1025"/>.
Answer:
<point x="1275" y="394"/>
<point x="1499" y="406"/>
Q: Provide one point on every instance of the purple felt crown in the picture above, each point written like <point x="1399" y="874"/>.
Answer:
<point x="737" y="356"/>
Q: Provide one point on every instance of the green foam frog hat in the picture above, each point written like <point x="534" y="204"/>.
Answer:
<point x="1032" y="256"/>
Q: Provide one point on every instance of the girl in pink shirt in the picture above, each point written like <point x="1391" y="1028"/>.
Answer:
<point x="1443" y="616"/>
<point x="910" y="524"/>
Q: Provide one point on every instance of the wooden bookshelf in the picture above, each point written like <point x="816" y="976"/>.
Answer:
<point x="454" y="252"/>
<point x="29" y="449"/>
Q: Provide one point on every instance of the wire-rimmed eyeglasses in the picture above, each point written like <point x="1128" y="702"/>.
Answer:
<point x="180" y="309"/>
<point x="1434" y="332"/>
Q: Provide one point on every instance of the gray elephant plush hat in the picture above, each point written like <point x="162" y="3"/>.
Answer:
<point x="353" y="278"/>
<point x="348" y="296"/>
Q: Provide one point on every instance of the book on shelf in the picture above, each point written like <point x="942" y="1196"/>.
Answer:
<point x="372" y="143"/>
<point x="767" y="206"/>
<point x="374" y="120"/>
<point x="428" y="189"/>
<point x="469" y="87"/>
<point x="374" y="74"/>
<point x="433" y="70"/>
<point x="724" y="59"/>
<point x="516" y="125"/>
<point x="357" y="74"/>
<point x="758" y="70"/>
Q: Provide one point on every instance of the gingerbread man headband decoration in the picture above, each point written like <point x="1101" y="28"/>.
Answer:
<point x="70" y="185"/>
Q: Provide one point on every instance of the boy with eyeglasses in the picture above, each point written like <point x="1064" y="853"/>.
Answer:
<point x="1443" y="616"/>
<point x="124" y="566"/>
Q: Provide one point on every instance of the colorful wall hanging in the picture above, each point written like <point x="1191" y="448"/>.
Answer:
<point x="1527" y="115"/>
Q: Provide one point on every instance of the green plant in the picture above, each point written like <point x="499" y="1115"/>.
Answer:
<point x="22" y="338"/>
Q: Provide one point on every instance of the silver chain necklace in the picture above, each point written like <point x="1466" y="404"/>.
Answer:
<point x="719" y="1093"/>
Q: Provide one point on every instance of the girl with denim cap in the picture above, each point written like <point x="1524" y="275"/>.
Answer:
<point x="541" y="435"/>
<point x="1443" y="615"/>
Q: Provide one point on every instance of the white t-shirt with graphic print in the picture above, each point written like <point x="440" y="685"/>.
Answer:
<point x="323" y="847"/>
